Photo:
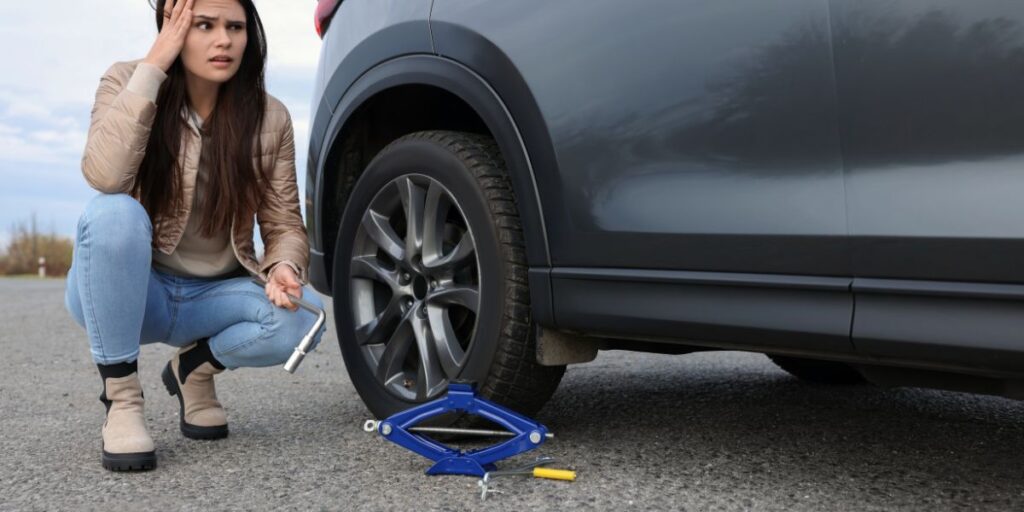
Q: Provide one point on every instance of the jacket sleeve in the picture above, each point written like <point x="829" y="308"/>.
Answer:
<point x="279" y="216"/>
<point x="122" y="118"/>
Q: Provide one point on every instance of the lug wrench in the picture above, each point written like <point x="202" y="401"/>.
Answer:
<point x="533" y="469"/>
<point x="307" y="341"/>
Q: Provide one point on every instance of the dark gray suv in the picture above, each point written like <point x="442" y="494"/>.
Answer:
<point x="499" y="188"/>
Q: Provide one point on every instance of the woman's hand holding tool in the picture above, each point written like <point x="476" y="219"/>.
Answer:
<point x="306" y="344"/>
<point x="283" y="282"/>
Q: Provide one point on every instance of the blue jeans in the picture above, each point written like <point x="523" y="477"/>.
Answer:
<point x="122" y="301"/>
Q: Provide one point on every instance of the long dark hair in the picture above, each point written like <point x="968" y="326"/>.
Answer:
<point x="231" y="140"/>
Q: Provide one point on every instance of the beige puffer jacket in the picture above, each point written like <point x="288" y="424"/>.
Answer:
<point x="118" y="133"/>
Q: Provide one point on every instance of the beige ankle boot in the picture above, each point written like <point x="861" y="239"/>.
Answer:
<point x="126" y="443"/>
<point x="189" y="375"/>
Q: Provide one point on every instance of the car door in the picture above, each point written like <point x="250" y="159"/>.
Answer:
<point x="690" y="136"/>
<point x="932" y="119"/>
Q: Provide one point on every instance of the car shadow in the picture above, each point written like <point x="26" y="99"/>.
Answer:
<point x="734" y="419"/>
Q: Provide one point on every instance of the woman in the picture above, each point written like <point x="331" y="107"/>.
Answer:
<point x="186" y="147"/>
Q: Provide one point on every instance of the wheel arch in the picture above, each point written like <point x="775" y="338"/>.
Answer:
<point x="401" y="96"/>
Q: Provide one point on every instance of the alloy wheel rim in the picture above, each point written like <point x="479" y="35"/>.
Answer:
<point x="415" y="287"/>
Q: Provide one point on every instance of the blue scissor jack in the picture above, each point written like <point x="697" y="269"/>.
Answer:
<point x="401" y="429"/>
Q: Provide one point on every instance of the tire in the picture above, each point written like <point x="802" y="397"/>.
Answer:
<point x="459" y="183"/>
<point x="818" y="372"/>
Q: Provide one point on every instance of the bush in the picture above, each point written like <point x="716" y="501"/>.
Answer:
<point x="27" y="245"/>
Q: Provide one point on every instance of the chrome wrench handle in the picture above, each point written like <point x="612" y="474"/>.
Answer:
<point x="485" y="483"/>
<point x="307" y="341"/>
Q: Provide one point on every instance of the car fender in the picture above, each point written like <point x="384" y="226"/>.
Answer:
<point x="461" y="81"/>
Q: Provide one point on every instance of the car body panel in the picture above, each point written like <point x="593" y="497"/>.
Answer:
<point x="781" y="312"/>
<point x="972" y="324"/>
<point x="932" y="118"/>
<point x="932" y="115"/>
<point x="673" y="153"/>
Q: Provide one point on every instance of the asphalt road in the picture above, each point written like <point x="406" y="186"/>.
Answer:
<point x="711" y="431"/>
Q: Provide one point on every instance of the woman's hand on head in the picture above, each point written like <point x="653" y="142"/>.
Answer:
<point x="283" y="281"/>
<point x="170" y="40"/>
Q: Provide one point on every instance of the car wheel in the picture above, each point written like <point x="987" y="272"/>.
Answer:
<point x="430" y="278"/>
<point x="818" y="372"/>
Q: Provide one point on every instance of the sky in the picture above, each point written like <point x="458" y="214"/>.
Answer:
<point x="53" y="56"/>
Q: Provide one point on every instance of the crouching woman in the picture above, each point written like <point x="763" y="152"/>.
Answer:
<point x="185" y="148"/>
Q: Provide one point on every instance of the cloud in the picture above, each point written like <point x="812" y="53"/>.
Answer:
<point x="72" y="43"/>
<point x="33" y="147"/>
<point x="32" y="133"/>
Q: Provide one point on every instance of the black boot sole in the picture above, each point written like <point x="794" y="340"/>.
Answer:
<point x="142" y="461"/>
<point x="188" y="430"/>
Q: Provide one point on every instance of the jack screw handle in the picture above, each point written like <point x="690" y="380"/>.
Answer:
<point x="307" y="341"/>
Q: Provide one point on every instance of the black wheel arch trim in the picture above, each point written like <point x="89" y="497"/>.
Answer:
<point x="406" y="38"/>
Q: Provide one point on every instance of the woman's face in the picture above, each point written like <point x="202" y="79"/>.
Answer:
<point x="216" y="41"/>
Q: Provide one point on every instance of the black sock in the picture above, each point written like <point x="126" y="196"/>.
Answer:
<point x="194" y="358"/>
<point x="114" y="371"/>
<point x="118" y="370"/>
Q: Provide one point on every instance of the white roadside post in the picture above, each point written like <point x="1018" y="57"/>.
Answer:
<point x="42" y="266"/>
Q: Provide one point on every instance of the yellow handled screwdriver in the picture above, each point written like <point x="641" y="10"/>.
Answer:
<point x="555" y="474"/>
